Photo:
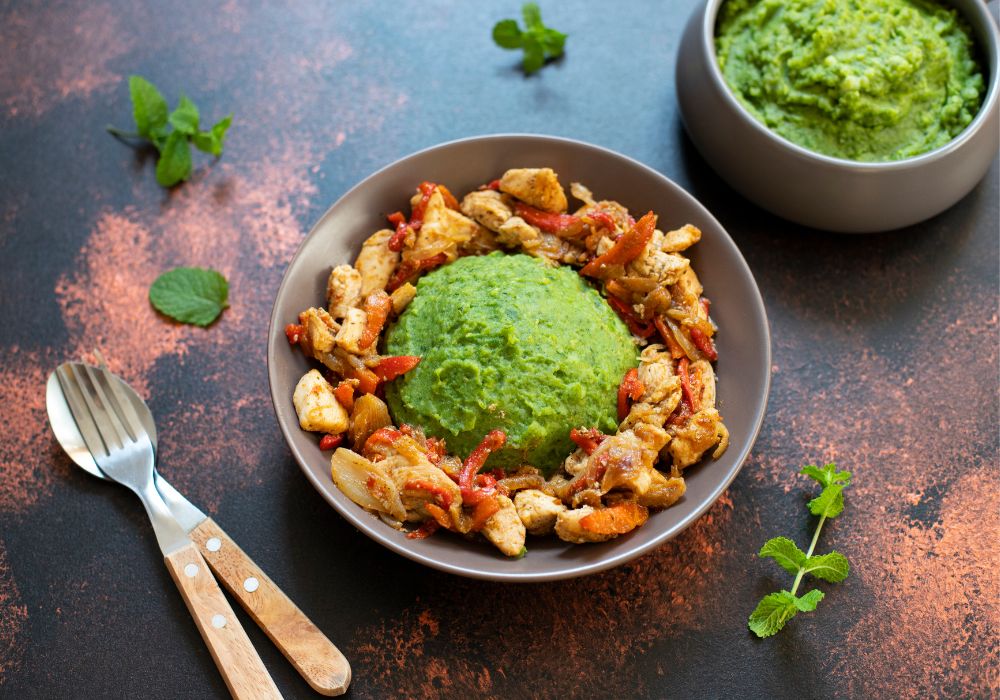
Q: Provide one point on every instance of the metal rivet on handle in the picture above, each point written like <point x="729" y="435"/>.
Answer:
<point x="251" y="584"/>
<point x="214" y="544"/>
<point x="218" y="621"/>
<point x="191" y="570"/>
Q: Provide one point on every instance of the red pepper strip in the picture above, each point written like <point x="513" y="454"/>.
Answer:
<point x="704" y="343"/>
<point x="628" y="247"/>
<point x="439" y="514"/>
<point x="682" y="370"/>
<point x="559" y="224"/>
<point x="603" y="218"/>
<point x="680" y="414"/>
<point x="493" y="441"/>
<point x="439" y="492"/>
<point x="630" y="388"/>
<point x="345" y="395"/>
<point x="417" y="215"/>
<point x="483" y="511"/>
<point x="293" y="332"/>
<point x="397" y="240"/>
<point x="388" y="368"/>
<point x="435" y="450"/>
<point x="377" y="307"/>
<point x="426" y="529"/>
<point x="328" y="442"/>
<point x="382" y="436"/>
<point x="634" y="323"/>
<point x="587" y="440"/>
<point x="676" y="351"/>
<point x="408" y="268"/>
<point x="448" y="197"/>
<point x="367" y="380"/>
<point x="491" y="185"/>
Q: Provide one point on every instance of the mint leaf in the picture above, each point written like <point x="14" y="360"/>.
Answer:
<point x="185" y="117"/>
<point x="192" y="295"/>
<point x="553" y="42"/>
<point x="532" y="16"/>
<point x="534" y="55"/>
<point x="153" y="124"/>
<point x="148" y="107"/>
<point x="827" y="475"/>
<point x="507" y="34"/>
<point x="785" y="553"/>
<point x="211" y="141"/>
<point x="536" y="40"/>
<point x="772" y="612"/>
<point x="809" y="601"/>
<point x="174" y="164"/>
<point x="832" y="567"/>
<point x="829" y="503"/>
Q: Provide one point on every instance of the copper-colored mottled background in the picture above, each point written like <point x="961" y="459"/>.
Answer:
<point x="885" y="360"/>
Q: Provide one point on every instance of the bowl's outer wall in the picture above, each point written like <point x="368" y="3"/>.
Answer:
<point x="744" y="345"/>
<point x="826" y="193"/>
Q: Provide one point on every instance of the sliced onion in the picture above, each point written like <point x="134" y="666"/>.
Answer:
<point x="352" y="472"/>
<point x="686" y="345"/>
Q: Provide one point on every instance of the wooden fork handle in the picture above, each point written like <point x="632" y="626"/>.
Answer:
<point x="231" y="649"/>
<point x="314" y="656"/>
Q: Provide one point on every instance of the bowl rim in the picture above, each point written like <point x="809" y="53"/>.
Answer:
<point x="979" y="17"/>
<point x="355" y="515"/>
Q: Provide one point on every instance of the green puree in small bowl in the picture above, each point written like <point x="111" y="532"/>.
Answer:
<point x="508" y="342"/>
<point x="866" y="80"/>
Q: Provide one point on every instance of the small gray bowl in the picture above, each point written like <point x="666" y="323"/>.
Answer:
<point x="817" y="190"/>
<point x="744" y="365"/>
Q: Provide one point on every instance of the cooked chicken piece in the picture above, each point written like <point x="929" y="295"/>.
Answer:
<point x="443" y="230"/>
<point x="488" y="208"/>
<point x="505" y="529"/>
<point x="665" y="268"/>
<point x="316" y="406"/>
<point x="575" y="463"/>
<point x="318" y="336"/>
<point x="588" y="524"/>
<point x="631" y="458"/>
<point x="552" y="247"/>
<point x="696" y="435"/>
<point x="680" y="239"/>
<point x="687" y="290"/>
<point x="518" y="233"/>
<point x="376" y="262"/>
<point x="343" y="290"/>
<point x="402" y="297"/>
<point x="656" y="372"/>
<point x="483" y="243"/>
<point x="706" y="381"/>
<point x="663" y="491"/>
<point x="420" y="484"/>
<point x="351" y="330"/>
<point x="537" y="510"/>
<point x="538" y="187"/>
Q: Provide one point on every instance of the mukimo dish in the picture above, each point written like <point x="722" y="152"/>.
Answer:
<point x="502" y="366"/>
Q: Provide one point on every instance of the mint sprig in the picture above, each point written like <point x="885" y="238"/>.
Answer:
<point x="171" y="133"/>
<point x="775" y="609"/>
<point x="192" y="295"/>
<point x="538" y="42"/>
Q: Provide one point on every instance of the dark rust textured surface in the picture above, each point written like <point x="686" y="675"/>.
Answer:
<point x="885" y="360"/>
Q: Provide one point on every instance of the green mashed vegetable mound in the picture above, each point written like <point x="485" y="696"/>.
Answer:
<point x="866" y="80"/>
<point x="508" y="342"/>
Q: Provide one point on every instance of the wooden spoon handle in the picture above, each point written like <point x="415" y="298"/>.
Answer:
<point x="231" y="649"/>
<point x="303" y="644"/>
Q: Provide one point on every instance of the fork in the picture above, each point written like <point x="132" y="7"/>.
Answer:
<point x="122" y="449"/>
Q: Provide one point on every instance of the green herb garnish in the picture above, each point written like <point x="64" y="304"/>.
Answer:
<point x="153" y="123"/>
<point x="776" y="609"/>
<point x="190" y="295"/>
<point x="538" y="41"/>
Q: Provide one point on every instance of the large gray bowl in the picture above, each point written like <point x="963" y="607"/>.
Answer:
<point x="818" y="190"/>
<point x="743" y="342"/>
